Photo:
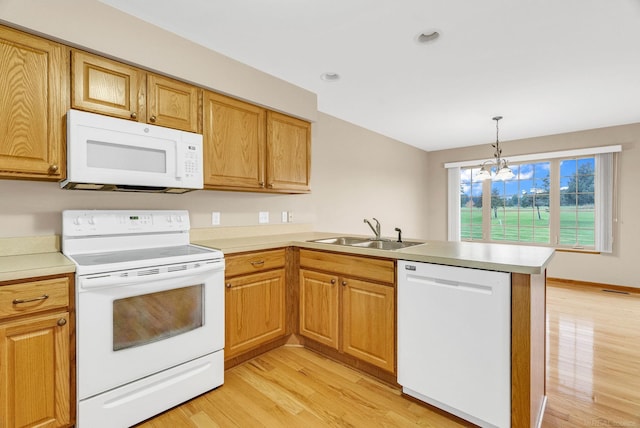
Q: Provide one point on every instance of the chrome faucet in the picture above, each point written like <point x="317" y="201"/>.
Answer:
<point x="376" y="229"/>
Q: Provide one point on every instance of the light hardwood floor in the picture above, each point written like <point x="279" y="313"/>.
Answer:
<point x="593" y="358"/>
<point x="593" y="379"/>
<point x="295" y="387"/>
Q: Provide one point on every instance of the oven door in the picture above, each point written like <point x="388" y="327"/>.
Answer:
<point x="135" y="323"/>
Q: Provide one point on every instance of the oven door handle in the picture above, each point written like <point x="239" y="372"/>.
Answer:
<point x="137" y="276"/>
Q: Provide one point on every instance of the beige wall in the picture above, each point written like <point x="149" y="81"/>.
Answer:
<point x="617" y="268"/>
<point x="359" y="174"/>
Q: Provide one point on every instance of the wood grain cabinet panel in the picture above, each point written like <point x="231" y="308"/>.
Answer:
<point x="172" y="103"/>
<point x="35" y="372"/>
<point x="249" y="148"/>
<point x="33" y="296"/>
<point x="36" y="353"/>
<point x="255" y="309"/>
<point x="319" y="300"/>
<point x="33" y="104"/>
<point x="288" y="153"/>
<point x="112" y="88"/>
<point x="103" y="86"/>
<point x="369" y="322"/>
<point x="348" y="303"/>
<point x="234" y="144"/>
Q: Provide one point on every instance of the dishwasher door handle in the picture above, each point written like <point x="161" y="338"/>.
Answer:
<point x="447" y="283"/>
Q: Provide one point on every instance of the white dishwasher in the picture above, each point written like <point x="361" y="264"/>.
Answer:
<point x="454" y="340"/>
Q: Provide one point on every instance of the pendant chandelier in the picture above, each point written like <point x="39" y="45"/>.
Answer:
<point x="502" y="170"/>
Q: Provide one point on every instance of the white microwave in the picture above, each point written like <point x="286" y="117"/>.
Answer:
<point x="105" y="153"/>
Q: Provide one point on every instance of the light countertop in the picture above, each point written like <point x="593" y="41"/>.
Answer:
<point x="499" y="257"/>
<point x="32" y="265"/>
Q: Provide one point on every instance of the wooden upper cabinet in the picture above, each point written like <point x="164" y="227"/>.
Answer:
<point x="33" y="104"/>
<point x="234" y="143"/>
<point x="172" y="103"/>
<point x="288" y="153"/>
<point x="100" y="85"/>
<point x="247" y="147"/>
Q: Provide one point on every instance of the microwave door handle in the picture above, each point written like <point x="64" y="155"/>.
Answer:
<point x="179" y="161"/>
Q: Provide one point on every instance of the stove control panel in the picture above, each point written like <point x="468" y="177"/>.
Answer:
<point x="119" y="222"/>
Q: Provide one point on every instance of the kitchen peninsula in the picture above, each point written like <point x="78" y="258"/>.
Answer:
<point x="526" y="266"/>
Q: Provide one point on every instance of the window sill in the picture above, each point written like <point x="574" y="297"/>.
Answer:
<point x="570" y="250"/>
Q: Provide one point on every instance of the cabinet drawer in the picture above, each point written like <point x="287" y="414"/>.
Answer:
<point x="29" y="297"/>
<point x="343" y="264"/>
<point x="254" y="262"/>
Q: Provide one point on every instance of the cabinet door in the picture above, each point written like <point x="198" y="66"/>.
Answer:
<point x="34" y="372"/>
<point x="319" y="307"/>
<point x="288" y="153"/>
<point x="172" y="103"/>
<point x="33" y="104"/>
<point x="255" y="310"/>
<point x="100" y="85"/>
<point x="234" y="143"/>
<point x="368" y="322"/>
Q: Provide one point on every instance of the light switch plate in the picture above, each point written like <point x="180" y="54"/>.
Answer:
<point x="263" y="217"/>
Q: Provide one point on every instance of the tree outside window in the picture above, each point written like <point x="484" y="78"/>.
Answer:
<point x="536" y="206"/>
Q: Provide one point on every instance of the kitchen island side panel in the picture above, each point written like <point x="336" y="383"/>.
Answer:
<point x="528" y="301"/>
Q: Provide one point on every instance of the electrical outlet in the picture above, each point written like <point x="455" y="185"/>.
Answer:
<point x="215" y="218"/>
<point x="285" y="216"/>
<point x="290" y="217"/>
<point x="263" y="217"/>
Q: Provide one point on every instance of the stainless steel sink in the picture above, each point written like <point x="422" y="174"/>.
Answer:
<point x="387" y="245"/>
<point x="342" y="240"/>
<point x="352" y="241"/>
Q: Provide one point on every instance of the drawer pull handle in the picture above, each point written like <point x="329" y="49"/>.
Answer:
<point x="35" y="299"/>
<point x="257" y="263"/>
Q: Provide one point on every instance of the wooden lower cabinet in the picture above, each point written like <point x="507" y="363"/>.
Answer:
<point x="368" y="322"/>
<point x="319" y="297"/>
<point x="255" y="313"/>
<point x="254" y="301"/>
<point x="354" y="315"/>
<point x="35" y="381"/>
<point x="35" y="353"/>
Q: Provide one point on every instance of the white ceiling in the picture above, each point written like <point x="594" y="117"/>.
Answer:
<point x="547" y="66"/>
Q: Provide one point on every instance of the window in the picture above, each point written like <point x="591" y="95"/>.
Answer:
<point x="560" y="201"/>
